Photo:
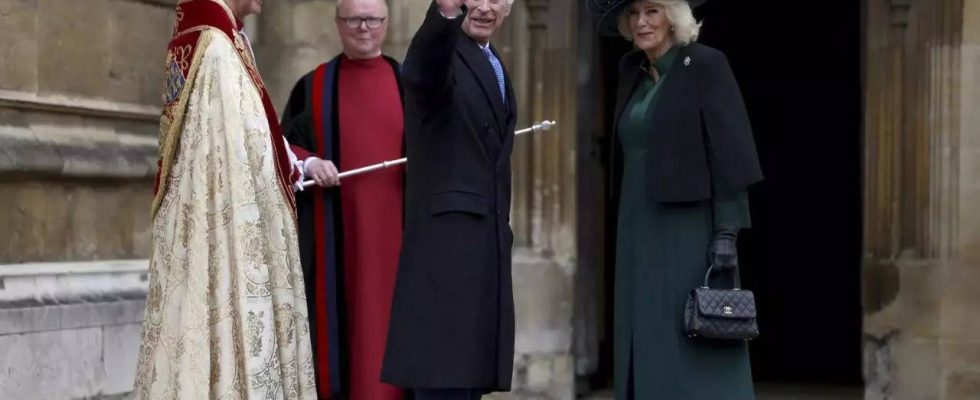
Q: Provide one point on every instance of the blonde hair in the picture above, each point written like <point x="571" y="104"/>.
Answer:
<point x="684" y="27"/>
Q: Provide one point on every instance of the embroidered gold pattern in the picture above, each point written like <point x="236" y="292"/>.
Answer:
<point x="182" y="55"/>
<point x="180" y="17"/>
<point x="226" y="313"/>
<point x="192" y="30"/>
<point x="171" y="121"/>
<point x="246" y="56"/>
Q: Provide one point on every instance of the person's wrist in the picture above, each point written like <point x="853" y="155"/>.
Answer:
<point x="306" y="164"/>
<point x="450" y="12"/>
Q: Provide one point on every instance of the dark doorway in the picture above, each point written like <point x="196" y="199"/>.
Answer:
<point x="800" y="75"/>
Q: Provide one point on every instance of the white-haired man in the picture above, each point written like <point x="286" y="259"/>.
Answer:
<point x="348" y="113"/>
<point x="451" y="334"/>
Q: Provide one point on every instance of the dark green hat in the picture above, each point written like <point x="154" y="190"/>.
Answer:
<point x="606" y="13"/>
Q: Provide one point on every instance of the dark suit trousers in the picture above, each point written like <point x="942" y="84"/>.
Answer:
<point x="447" y="394"/>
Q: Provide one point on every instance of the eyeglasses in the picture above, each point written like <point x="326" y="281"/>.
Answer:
<point x="355" y="22"/>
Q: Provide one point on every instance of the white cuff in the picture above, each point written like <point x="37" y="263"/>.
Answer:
<point x="459" y="11"/>
<point x="302" y="165"/>
<point x="298" y="185"/>
<point x="305" y="163"/>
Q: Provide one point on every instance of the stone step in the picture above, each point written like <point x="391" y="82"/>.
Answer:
<point x="770" y="391"/>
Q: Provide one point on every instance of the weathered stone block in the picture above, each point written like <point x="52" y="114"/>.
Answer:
<point x="313" y="22"/>
<point x="961" y="359"/>
<point x="18" y="49"/>
<point x="542" y="376"/>
<point x="69" y="316"/>
<point x="877" y="357"/>
<point x="51" y="365"/>
<point x="970" y="172"/>
<point x="72" y="146"/>
<point x="917" y="369"/>
<point x="34" y="221"/>
<point x="963" y="386"/>
<point x="897" y="367"/>
<point x="120" y="353"/>
<point x="543" y="300"/>
<point x="960" y="302"/>
<point x="971" y="22"/>
<point x="969" y="84"/>
<point x="969" y="226"/>
<point x="563" y="377"/>
<point x="87" y="315"/>
<point x="515" y="395"/>
<point x="539" y="374"/>
<point x="75" y="45"/>
<point x="880" y="284"/>
<point x="139" y="33"/>
<point x="21" y="151"/>
<point x="406" y="17"/>
<point x="29" y="319"/>
<point x="60" y="221"/>
<point x="294" y="38"/>
<point x="60" y="129"/>
<point x="920" y="298"/>
<point x="89" y="228"/>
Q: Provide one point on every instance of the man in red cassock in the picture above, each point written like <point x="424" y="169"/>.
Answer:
<point x="348" y="113"/>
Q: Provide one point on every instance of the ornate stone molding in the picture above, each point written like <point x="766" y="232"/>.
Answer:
<point x="41" y="284"/>
<point x="128" y="157"/>
<point x="78" y="106"/>
<point x="161" y="3"/>
<point x="42" y="134"/>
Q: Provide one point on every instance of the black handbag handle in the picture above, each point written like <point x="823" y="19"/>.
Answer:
<point x="711" y="267"/>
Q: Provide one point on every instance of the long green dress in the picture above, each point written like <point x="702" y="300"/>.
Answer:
<point x="661" y="255"/>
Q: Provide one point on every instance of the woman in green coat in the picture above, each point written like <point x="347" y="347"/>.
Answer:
<point x="687" y="156"/>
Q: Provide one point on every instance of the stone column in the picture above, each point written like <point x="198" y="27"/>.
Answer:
<point x="405" y="17"/>
<point x="922" y="194"/>
<point x="960" y="329"/>
<point x="540" y="56"/>
<point x="291" y="38"/>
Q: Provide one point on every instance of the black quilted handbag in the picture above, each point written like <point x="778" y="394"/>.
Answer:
<point x="721" y="313"/>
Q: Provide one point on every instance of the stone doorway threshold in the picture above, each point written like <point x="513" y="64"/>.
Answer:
<point x="772" y="391"/>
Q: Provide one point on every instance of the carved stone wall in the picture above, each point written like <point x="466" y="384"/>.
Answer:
<point x="922" y="199"/>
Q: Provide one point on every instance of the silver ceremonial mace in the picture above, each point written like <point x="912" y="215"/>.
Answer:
<point x="544" y="126"/>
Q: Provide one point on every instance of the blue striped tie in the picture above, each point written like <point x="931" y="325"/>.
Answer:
<point x="497" y="70"/>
